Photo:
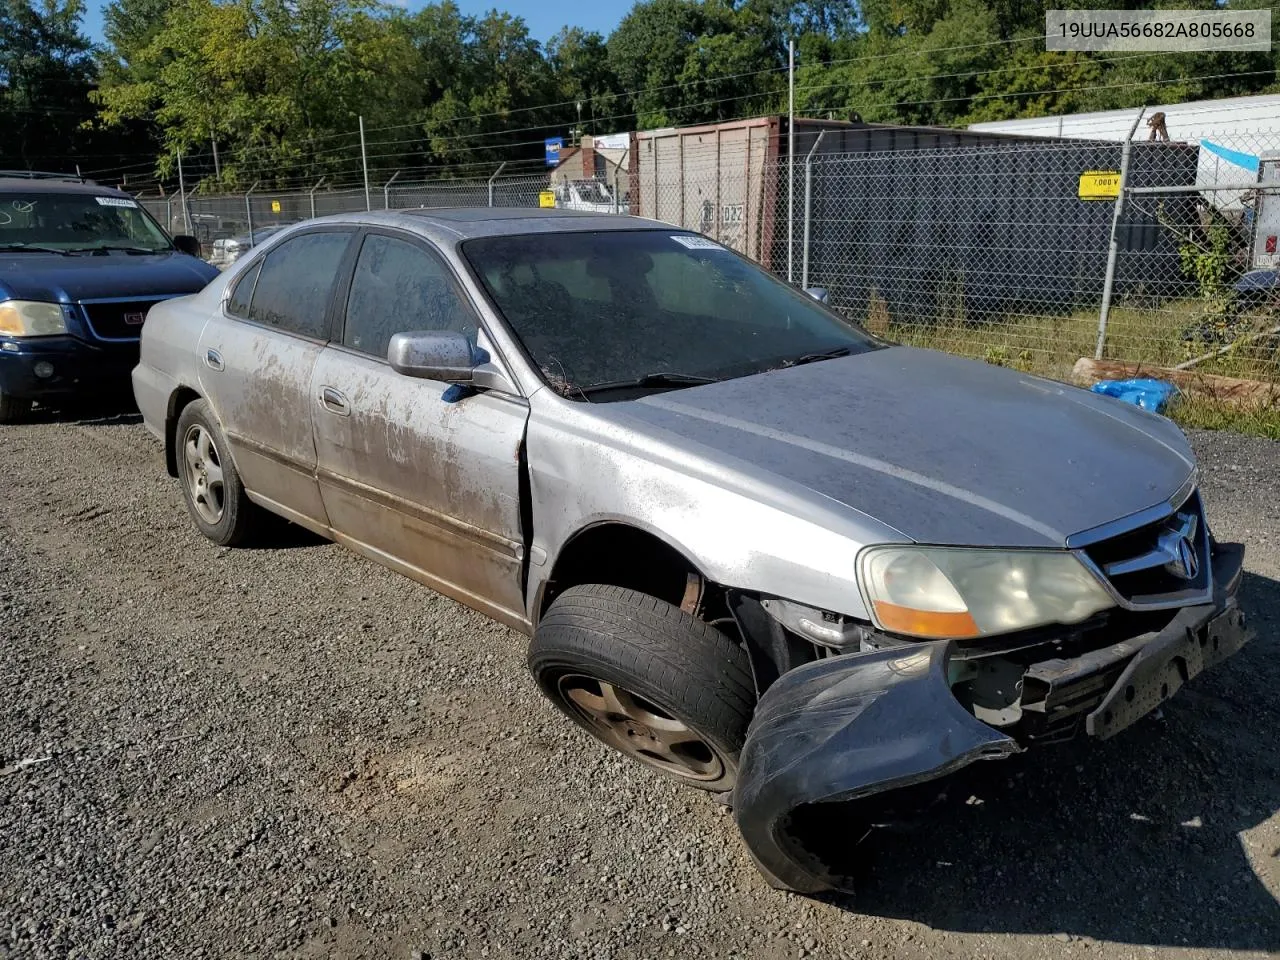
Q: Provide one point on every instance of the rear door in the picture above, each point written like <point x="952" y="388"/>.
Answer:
<point x="411" y="474"/>
<point x="256" y="362"/>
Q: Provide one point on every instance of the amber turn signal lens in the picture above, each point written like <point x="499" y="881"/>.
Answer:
<point x="925" y="623"/>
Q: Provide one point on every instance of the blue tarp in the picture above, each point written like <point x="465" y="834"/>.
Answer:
<point x="1153" y="395"/>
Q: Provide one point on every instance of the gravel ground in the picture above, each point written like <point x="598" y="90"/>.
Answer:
<point x="289" y="751"/>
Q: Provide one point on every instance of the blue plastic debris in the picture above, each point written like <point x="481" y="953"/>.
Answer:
<point x="1153" y="395"/>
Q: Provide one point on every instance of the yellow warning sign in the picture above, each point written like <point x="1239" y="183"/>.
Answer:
<point x="275" y="206"/>
<point x="1099" y="184"/>
<point x="546" y="199"/>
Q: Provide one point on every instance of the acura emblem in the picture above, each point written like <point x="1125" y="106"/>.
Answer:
<point x="1179" y="547"/>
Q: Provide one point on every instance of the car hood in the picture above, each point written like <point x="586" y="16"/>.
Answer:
<point x="34" y="276"/>
<point x="945" y="450"/>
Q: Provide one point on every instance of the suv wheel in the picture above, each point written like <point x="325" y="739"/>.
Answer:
<point x="13" y="410"/>
<point x="648" y="680"/>
<point x="210" y="484"/>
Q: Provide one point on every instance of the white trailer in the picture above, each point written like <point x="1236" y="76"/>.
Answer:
<point x="1232" y="134"/>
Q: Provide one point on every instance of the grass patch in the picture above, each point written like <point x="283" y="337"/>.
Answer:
<point x="1050" y="345"/>
<point x="1201" y="414"/>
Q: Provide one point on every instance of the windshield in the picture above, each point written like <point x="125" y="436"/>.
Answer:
<point x="650" y="309"/>
<point x="72" y="222"/>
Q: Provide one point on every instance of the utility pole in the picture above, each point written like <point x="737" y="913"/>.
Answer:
<point x="1113" y="248"/>
<point x="182" y="189"/>
<point x="217" y="167"/>
<point x="364" y="162"/>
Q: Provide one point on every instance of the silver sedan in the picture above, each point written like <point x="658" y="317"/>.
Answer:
<point x="756" y="548"/>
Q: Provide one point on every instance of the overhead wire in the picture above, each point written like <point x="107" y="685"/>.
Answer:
<point x="349" y="152"/>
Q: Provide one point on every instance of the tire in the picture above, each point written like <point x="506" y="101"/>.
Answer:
<point x="648" y="680"/>
<point x="13" y="409"/>
<point x="210" y="484"/>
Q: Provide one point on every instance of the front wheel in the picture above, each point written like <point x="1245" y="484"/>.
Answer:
<point x="648" y="680"/>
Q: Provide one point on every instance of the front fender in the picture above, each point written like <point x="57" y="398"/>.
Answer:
<point x="843" y="729"/>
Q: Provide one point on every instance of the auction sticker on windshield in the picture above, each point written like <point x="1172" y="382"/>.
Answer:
<point x="696" y="243"/>
<point x="115" y="202"/>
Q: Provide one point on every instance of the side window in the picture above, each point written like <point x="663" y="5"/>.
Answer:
<point x="293" y="286"/>
<point x="238" y="305"/>
<point x="398" y="287"/>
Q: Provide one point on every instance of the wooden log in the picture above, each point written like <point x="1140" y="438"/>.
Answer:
<point x="1229" y="390"/>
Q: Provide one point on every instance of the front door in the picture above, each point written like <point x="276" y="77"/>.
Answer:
<point x="410" y="475"/>
<point x="256" y="365"/>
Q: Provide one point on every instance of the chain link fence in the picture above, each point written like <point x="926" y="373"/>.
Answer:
<point x="990" y="250"/>
<point x="1030" y="253"/>
<point x="1220" y="314"/>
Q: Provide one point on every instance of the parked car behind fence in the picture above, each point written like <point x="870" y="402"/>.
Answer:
<point x="229" y="250"/>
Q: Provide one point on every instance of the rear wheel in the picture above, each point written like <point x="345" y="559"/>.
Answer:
<point x="210" y="483"/>
<point x="13" y="410"/>
<point x="648" y="680"/>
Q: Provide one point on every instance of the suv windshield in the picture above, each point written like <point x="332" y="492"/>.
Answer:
<point x="650" y="310"/>
<point x="74" y="222"/>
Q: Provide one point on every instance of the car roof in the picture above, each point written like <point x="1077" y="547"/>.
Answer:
<point x="50" y="185"/>
<point x="469" y="223"/>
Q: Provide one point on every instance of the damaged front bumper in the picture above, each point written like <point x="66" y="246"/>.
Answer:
<point x="856" y="726"/>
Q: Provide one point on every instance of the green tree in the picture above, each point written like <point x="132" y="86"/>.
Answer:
<point x="46" y="72"/>
<point x="501" y="83"/>
<point x="279" y="83"/>
<point x="129" y="26"/>
<point x="282" y="82"/>
<point x="579" y="62"/>
<point x="686" y="61"/>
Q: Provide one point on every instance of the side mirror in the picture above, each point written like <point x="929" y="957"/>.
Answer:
<point x="187" y="244"/>
<point x="445" y="356"/>
<point x="818" y="293"/>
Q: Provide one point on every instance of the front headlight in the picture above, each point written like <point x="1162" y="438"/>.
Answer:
<point x="30" y="318"/>
<point x="950" y="592"/>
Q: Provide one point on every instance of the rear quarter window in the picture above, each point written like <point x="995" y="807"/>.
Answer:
<point x="243" y="291"/>
<point x="295" y="281"/>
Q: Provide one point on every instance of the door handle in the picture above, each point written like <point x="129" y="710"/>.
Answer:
<point x="334" y="401"/>
<point x="213" y="360"/>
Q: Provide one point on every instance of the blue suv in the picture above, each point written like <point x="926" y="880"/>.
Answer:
<point x="80" y="266"/>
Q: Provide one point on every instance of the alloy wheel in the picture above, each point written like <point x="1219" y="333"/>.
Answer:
<point x="641" y="729"/>
<point x="204" y="473"/>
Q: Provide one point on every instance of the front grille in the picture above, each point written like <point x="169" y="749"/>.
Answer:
<point x="117" y="319"/>
<point x="1161" y="563"/>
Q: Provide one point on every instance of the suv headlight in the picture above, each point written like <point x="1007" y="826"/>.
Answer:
<point x="31" y="318"/>
<point x="958" y="592"/>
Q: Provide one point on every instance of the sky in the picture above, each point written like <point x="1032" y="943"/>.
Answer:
<point x="544" y="17"/>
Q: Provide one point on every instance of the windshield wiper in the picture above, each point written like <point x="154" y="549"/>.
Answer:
<point x="660" y="380"/>
<point x="124" y="248"/>
<point x="815" y="357"/>
<point x="35" y="248"/>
